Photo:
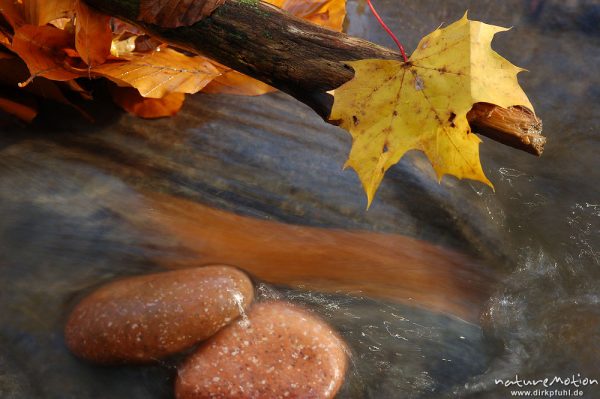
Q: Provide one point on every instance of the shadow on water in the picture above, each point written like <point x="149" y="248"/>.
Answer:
<point x="75" y="212"/>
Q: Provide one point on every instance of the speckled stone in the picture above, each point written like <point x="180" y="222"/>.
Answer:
<point x="145" y="318"/>
<point x="278" y="351"/>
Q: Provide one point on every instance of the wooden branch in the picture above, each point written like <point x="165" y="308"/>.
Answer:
<point x="517" y="127"/>
<point x="305" y="60"/>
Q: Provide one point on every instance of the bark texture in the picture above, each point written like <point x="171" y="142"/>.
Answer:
<point x="305" y="60"/>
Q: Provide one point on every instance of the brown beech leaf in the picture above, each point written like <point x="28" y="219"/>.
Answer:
<point x="43" y="50"/>
<point x="122" y="48"/>
<point x="5" y="55"/>
<point x="175" y="13"/>
<point x="13" y="71"/>
<point x="93" y="36"/>
<point x="159" y="73"/>
<point x="35" y="12"/>
<point x="40" y="12"/>
<point x="125" y="48"/>
<point x="63" y="23"/>
<point x="22" y="107"/>
<point x="4" y="40"/>
<point x="327" y="13"/>
<point x="128" y="39"/>
<point x="234" y="82"/>
<point x="12" y="11"/>
<point x="146" y="44"/>
<point x="120" y="27"/>
<point x="131" y="101"/>
<point x="75" y="87"/>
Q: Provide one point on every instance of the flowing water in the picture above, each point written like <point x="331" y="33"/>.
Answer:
<point x="512" y="281"/>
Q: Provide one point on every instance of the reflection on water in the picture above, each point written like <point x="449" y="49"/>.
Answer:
<point x="72" y="216"/>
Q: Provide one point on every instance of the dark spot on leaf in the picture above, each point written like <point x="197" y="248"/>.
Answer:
<point x="451" y="119"/>
<point x="395" y="113"/>
<point x="355" y="120"/>
<point x="385" y="148"/>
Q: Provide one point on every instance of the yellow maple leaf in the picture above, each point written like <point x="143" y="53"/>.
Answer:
<point x="391" y="107"/>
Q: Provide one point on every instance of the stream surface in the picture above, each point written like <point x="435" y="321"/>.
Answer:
<point x="73" y="215"/>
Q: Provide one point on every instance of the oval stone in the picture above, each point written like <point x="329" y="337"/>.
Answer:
<point x="145" y="318"/>
<point x="278" y="351"/>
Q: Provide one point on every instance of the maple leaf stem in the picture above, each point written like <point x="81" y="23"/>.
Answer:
<point x="388" y="30"/>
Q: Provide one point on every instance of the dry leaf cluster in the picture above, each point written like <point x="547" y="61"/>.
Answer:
<point x="51" y="49"/>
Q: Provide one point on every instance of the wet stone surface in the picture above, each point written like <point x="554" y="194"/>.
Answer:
<point x="278" y="351"/>
<point x="143" y="319"/>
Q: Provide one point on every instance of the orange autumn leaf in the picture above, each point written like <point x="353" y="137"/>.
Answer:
<point x="234" y="82"/>
<point x="63" y="23"/>
<point x="150" y="108"/>
<point x="40" y="12"/>
<point x="23" y="108"/>
<point x="5" y="55"/>
<point x="125" y="47"/>
<point x="43" y="50"/>
<point x="12" y="11"/>
<point x="326" y="13"/>
<point x="13" y="70"/>
<point x="159" y="73"/>
<point x="35" y="12"/>
<point x="176" y="13"/>
<point x="93" y="36"/>
<point x="4" y="40"/>
<point x="75" y="87"/>
<point x="120" y="27"/>
<point x="128" y="39"/>
<point x="122" y="48"/>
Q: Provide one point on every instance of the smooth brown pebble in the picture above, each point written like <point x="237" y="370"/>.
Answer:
<point x="145" y="318"/>
<point x="278" y="351"/>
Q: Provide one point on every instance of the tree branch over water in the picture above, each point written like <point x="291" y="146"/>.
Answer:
<point x="305" y="60"/>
